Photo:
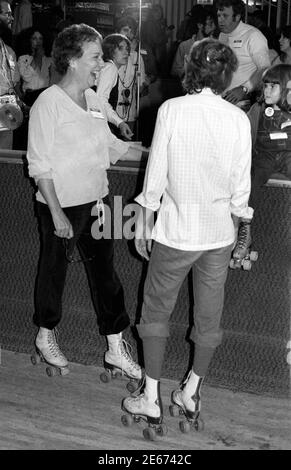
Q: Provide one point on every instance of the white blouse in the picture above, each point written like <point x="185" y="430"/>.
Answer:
<point x="198" y="172"/>
<point x="34" y="79"/>
<point x="71" y="146"/>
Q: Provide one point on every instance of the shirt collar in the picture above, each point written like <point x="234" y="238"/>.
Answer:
<point x="236" y="30"/>
<point x="206" y="91"/>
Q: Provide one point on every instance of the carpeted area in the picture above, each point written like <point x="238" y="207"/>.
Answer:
<point x="256" y="316"/>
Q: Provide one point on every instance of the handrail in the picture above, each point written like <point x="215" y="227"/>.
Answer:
<point x="18" y="157"/>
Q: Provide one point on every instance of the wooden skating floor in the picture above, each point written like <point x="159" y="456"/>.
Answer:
<point x="79" y="412"/>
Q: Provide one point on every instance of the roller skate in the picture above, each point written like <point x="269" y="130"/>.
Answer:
<point x="48" y="351"/>
<point x="188" y="406"/>
<point x="118" y="363"/>
<point x="242" y="256"/>
<point x="139" y="408"/>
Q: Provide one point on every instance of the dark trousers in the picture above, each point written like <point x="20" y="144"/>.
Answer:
<point x="106" y="290"/>
<point x="264" y="166"/>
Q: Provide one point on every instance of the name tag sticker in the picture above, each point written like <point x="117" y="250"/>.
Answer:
<point x="285" y="124"/>
<point x="237" y="43"/>
<point x="278" y="135"/>
<point x="96" y="114"/>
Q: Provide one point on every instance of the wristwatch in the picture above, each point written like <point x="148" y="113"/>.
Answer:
<point x="245" y="90"/>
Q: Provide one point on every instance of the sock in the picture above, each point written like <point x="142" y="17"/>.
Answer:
<point x="202" y="358"/>
<point x="113" y="342"/>
<point x="153" y="350"/>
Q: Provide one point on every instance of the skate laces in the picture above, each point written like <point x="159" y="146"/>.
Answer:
<point x="143" y="404"/>
<point x="53" y="345"/>
<point x="125" y="349"/>
<point x="243" y="235"/>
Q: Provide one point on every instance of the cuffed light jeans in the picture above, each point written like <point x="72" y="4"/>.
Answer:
<point x="167" y="270"/>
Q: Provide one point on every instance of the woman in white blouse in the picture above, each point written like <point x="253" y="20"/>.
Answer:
<point x="117" y="83"/>
<point x="116" y="50"/>
<point x="34" y="67"/>
<point x="70" y="148"/>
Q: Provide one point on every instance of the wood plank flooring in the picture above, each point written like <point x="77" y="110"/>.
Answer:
<point x="78" y="412"/>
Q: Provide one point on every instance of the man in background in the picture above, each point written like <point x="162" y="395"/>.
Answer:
<point x="250" y="47"/>
<point x="9" y="74"/>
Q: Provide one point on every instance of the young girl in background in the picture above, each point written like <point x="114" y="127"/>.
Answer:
<point x="270" y="120"/>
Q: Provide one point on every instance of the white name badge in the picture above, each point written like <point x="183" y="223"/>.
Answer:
<point x="96" y="114"/>
<point x="278" y="135"/>
<point x="285" y="124"/>
<point x="237" y="43"/>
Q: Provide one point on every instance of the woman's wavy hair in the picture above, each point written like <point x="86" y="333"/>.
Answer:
<point x="69" y="44"/>
<point x="23" y="41"/>
<point x="210" y="64"/>
<point x="111" y="43"/>
<point x="126" y="20"/>
<point x="286" y="33"/>
<point x="280" y="74"/>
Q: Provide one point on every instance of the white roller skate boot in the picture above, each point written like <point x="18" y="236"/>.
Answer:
<point x="47" y="350"/>
<point x="187" y="401"/>
<point x="147" y="406"/>
<point x="118" y="362"/>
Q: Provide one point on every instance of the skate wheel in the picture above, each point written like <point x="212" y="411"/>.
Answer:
<point x="132" y="387"/>
<point x="184" y="427"/>
<point x="35" y="359"/>
<point x="199" y="425"/>
<point x="149" y="434"/>
<point x="64" y="371"/>
<point x="127" y="420"/>
<point x="247" y="265"/>
<point x="174" y="410"/>
<point x="105" y="377"/>
<point x="254" y="255"/>
<point x="51" y="371"/>
<point x="162" y="430"/>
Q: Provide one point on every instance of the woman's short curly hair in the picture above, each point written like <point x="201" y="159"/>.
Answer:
<point x="126" y="21"/>
<point x="210" y="64"/>
<point x="278" y="74"/>
<point x="238" y="6"/>
<point x="111" y="43"/>
<point x="69" y="44"/>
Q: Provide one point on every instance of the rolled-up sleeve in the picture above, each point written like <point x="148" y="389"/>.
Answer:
<point x="241" y="172"/>
<point x="41" y="132"/>
<point x="259" y="52"/>
<point x="157" y="168"/>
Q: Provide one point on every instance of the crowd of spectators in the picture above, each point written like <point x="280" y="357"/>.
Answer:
<point x="163" y="51"/>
